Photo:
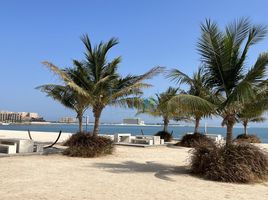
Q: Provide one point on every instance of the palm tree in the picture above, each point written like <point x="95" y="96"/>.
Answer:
<point x="198" y="88"/>
<point x="254" y="110"/>
<point x="69" y="98"/>
<point x="224" y="54"/>
<point x="160" y="106"/>
<point x="101" y="84"/>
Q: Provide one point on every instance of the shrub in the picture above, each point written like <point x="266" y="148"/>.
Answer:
<point x="164" y="135"/>
<point x="248" y="138"/>
<point x="87" y="145"/>
<point x="196" y="139"/>
<point x="240" y="163"/>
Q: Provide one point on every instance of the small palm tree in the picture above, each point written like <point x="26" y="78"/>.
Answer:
<point x="224" y="54"/>
<point x="198" y="88"/>
<point x="67" y="96"/>
<point x="100" y="82"/>
<point x="160" y="106"/>
<point x="253" y="111"/>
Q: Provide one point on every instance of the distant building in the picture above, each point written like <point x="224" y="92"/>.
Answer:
<point x="6" y="116"/>
<point x="133" y="121"/>
<point x="67" y="120"/>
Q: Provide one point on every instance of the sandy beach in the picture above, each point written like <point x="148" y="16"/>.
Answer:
<point x="36" y="136"/>
<point x="130" y="173"/>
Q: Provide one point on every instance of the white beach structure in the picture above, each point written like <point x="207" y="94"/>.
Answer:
<point x="14" y="145"/>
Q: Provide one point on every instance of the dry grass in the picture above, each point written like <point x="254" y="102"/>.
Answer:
<point x="196" y="139"/>
<point x="86" y="145"/>
<point x="164" y="135"/>
<point x="248" y="138"/>
<point x="240" y="163"/>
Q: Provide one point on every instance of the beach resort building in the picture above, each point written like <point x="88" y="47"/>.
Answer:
<point x="6" y="116"/>
<point x="68" y="120"/>
<point x="133" y="121"/>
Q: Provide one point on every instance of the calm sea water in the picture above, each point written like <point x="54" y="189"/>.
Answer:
<point x="178" y="131"/>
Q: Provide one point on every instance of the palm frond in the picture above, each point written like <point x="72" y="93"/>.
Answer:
<point x="179" y="77"/>
<point x="190" y="103"/>
<point x="68" y="81"/>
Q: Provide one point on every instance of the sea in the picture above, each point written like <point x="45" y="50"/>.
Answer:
<point x="178" y="131"/>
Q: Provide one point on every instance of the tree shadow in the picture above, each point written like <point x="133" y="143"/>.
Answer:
<point x="160" y="171"/>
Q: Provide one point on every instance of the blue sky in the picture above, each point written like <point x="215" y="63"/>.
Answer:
<point x="151" y="33"/>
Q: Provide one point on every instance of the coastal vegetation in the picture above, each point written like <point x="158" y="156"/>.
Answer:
<point x="83" y="144"/>
<point x="165" y="135"/>
<point x="67" y="96"/>
<point x="197" y="87"/>
<point x="100" y="84"/>
<point x="223" y="86"/>
<point x="240" y="163"/>
<point x="249" y="138"/>
<point x="224" y="56"/>
<point x="160" y="107"/>
<point x="195" y="140"/>
<point x="244" y="99"/>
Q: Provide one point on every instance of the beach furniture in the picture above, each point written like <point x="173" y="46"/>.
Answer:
<point x="22" y="145"/>
<point x="215" y="137"/>
<point x="162" y="141"/>
<point x="8" y="148"/>
<point x="147" y="139"/>
<point x="122" y="137"/>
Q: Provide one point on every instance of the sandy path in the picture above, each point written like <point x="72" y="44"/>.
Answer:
<point x="131" y="173"/>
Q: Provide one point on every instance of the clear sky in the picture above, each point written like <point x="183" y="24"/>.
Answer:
<point x="151" y="32"/>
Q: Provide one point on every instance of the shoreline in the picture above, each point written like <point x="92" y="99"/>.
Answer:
<point x="127" y="125"/>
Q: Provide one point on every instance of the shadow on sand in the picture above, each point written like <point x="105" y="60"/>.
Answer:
<point x="160" y="171"/>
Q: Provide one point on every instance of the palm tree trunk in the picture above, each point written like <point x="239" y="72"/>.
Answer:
<point x="229" y="135"/>
<point x="229" y="122"/>
<point x="80" y="122"/>
<point x="97" y="114"/>
<point x="245" y="124"/>
<point x="197" y="122"/>
<point x="166" y="121"/>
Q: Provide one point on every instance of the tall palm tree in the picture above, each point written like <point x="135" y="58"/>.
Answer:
<point x="198" y="88"/>
<point x="101" y="83"/>
<point x="224" y="54"/>
<point x="160" y="106"/>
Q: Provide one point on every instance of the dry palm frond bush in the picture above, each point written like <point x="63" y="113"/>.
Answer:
<point x="196" y="139"/>
<point x="164" y="135"/>
<point x="240" y="163"/>
<point x="87" y="145"/>
<point x="248" y="138"/>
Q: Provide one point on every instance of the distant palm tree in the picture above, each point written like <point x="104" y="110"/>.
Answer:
<point x="67" y="96"/>
<point x="101" y="83"/>
<point x="160" y="106"/>
<point x="224" y="54"/>
<point x="198" y="88"/>
<point x="254" y="110"/>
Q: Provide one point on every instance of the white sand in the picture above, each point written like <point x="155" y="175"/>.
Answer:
<point x="130" y="173"/>
<point x="36" y="136"/>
